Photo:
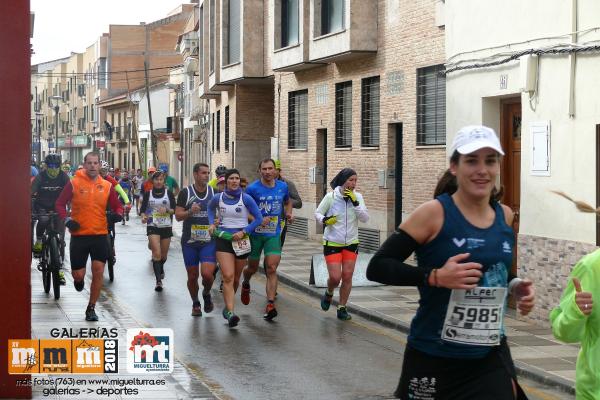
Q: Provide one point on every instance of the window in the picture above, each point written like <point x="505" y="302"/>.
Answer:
<point x="213" y="131"/>
<point x="102" y="75"/>
<point x="212" y="27"/>
<point x="343" y="114"/>
<point x="289" y="22"/>
<point x="369" y="135"/>
<point x="218" y="131"/>
<point x="227" y="128"/>
<point x="431" y="106"/>
<point x="298" y="119"/>
<point x="233" y="32"/>
<point x="332" y="16"/>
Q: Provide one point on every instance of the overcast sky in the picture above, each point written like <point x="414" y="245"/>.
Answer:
<point x="63" y="26"/>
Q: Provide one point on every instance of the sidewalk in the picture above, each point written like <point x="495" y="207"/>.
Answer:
<point x="536" y="353"/>
<point x="69" y="312"/>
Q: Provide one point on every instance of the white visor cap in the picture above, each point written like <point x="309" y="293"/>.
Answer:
<point x="472" y="138"/>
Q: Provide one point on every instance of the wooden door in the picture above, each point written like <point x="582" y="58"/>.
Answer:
<point x="511" y="164"/>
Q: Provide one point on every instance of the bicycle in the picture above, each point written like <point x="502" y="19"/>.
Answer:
<point x="52" y="254"/>
<point x="112" y="259"/>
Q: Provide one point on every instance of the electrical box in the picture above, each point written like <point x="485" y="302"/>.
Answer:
<point x="382" y="178"/>
<point x="315" y="175"/>
<point x="528" y="73"/>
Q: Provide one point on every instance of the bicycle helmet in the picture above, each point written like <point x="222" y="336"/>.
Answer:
<point x="220" y="171"/>
<point x="104" y="165"/>
<point x="53" y="159"/>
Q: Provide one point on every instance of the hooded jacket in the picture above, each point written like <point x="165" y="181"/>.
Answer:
<point x="571" y="325"/>
<point x="345" y="231"/>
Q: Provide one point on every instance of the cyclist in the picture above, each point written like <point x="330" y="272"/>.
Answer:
<point x="158" y="207"/>
<point x="233" y="245"/>
<point x="219" y="172"/>
<point x="66" y="168"/>
<point x="45" y="189"/>
<point x="127" y="186"/>
<point x="339" y="212"/>
<point x="196" y="243"/>
<point x="273" y="199"/>
<point x="89" y="196"/>
<point x="138" y="181"/>
<point x="170" y="182"/>
<point x="464" y="243"/>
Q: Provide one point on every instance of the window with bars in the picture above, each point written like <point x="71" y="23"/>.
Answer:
<point x="343" y="115"/>
<point x="431" y="106"/>
<point x="332" y="16"/>
<point x="227" y="129"/>
<point x="289" y="22"/>
<point x="369" y="134"/>
<point x="233" y="32"/>
<point x="218" y="131"/>
<point x="298" y="119"/>
<point x="212" y="27"/>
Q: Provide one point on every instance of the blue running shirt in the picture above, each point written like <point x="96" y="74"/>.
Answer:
<point x="271" y="204"/>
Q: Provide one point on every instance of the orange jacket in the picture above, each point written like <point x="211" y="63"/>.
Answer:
<point x="88" y="204"/>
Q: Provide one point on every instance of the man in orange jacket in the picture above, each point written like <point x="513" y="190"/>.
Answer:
<point x="89" y="195"/>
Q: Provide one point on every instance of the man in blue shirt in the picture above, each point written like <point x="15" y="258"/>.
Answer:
<point x="272" y="197"/>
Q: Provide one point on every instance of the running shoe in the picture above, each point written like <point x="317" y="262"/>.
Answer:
<point x="159" y="286"/>
<point x="245" y="296"/>
<point x="208" y="303"/>
<point x="326" y="301"/>
<point x="79" y="285"/>
<point x="61" y="278"/>
<point x="270" y="312"/>
<point x="232" y="319"/>
<point x="90" y="314"/>
<point x="342" y="314"/>
<point x="196" y="309"/>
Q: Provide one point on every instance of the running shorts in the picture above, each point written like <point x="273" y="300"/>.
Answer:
<point x="196" y="255"/>
<point x="224" y="246"/>
<point x="339" y="254"/>
<point x="82" y="247"/>
<point x="436" y="378"/>
<point x="164" y="233"/>
<point x="270" y="244"/>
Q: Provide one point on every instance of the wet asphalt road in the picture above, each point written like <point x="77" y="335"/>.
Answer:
<point x="304" y="353"/>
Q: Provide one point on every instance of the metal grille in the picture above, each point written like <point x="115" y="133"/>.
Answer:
<point x="218" y="131"/>
<point x="233" y="39"/>
<point x="369" y="240"/>
<point x="298" y="119"/>
<point x="343" y="114"/>
<point x="212" y="27"/>
<point x="370" y="112"/>
<point x="431" y="105"/>
<point x="227" y="128"/>
<point x="299" y="227"/>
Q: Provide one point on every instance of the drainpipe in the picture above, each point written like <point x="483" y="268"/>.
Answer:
<point x="573" y="59"/>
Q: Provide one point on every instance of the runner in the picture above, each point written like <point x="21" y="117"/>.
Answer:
<point x="573" y="320"/>
<point x="219" y="172"/>
<point x="147" y="185"/>
<point x="339" y="212"/>
<point x="45" y="189"/>
<point x="105" y="174"/>
<point x="138" y="181"/>
<point x="127" y="186"/>
<point x="232" y="241"/>
<point x="464" y="245"/>
<point x="89" y="196"/>
<point x="170" y="182"/>
<point x="196" y="243"/>
<point x="272" y="196"/>
<point x="158" y="207"/>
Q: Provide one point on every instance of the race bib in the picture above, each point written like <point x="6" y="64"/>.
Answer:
<point x="161" y="220"/>
<point x="475" y="316"/>
<point x="199" y="233"/>
<point x="241" y="246"/>
<point x="270" y="227"/>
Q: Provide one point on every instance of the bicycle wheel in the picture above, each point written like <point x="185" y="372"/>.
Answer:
<point x="46" y="274"/>
<point x="55" y="266"/>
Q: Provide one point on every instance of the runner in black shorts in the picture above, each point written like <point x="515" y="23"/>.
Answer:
<point x="158" y="207"/>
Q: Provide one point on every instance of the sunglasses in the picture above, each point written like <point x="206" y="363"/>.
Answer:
<point x="53" y="165"/>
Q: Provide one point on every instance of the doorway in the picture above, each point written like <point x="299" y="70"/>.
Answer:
<point x="398" y="159"/>
<point x="510" y="176"/>
<point x="321" y="173"/>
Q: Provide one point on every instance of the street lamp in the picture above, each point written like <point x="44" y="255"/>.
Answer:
<point x="94" y="127"/>
<point x="38" y="121"/>
<point x="129" y="122"/>
<point x="56" y="110"/>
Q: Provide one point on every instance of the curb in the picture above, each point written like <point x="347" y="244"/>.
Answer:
<point x="523" y="370"/>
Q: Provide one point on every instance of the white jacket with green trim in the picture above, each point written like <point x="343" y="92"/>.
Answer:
<point x="345" y="230"/>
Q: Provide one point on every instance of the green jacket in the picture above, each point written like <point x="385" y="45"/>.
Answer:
<point x="570" y="325"/>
